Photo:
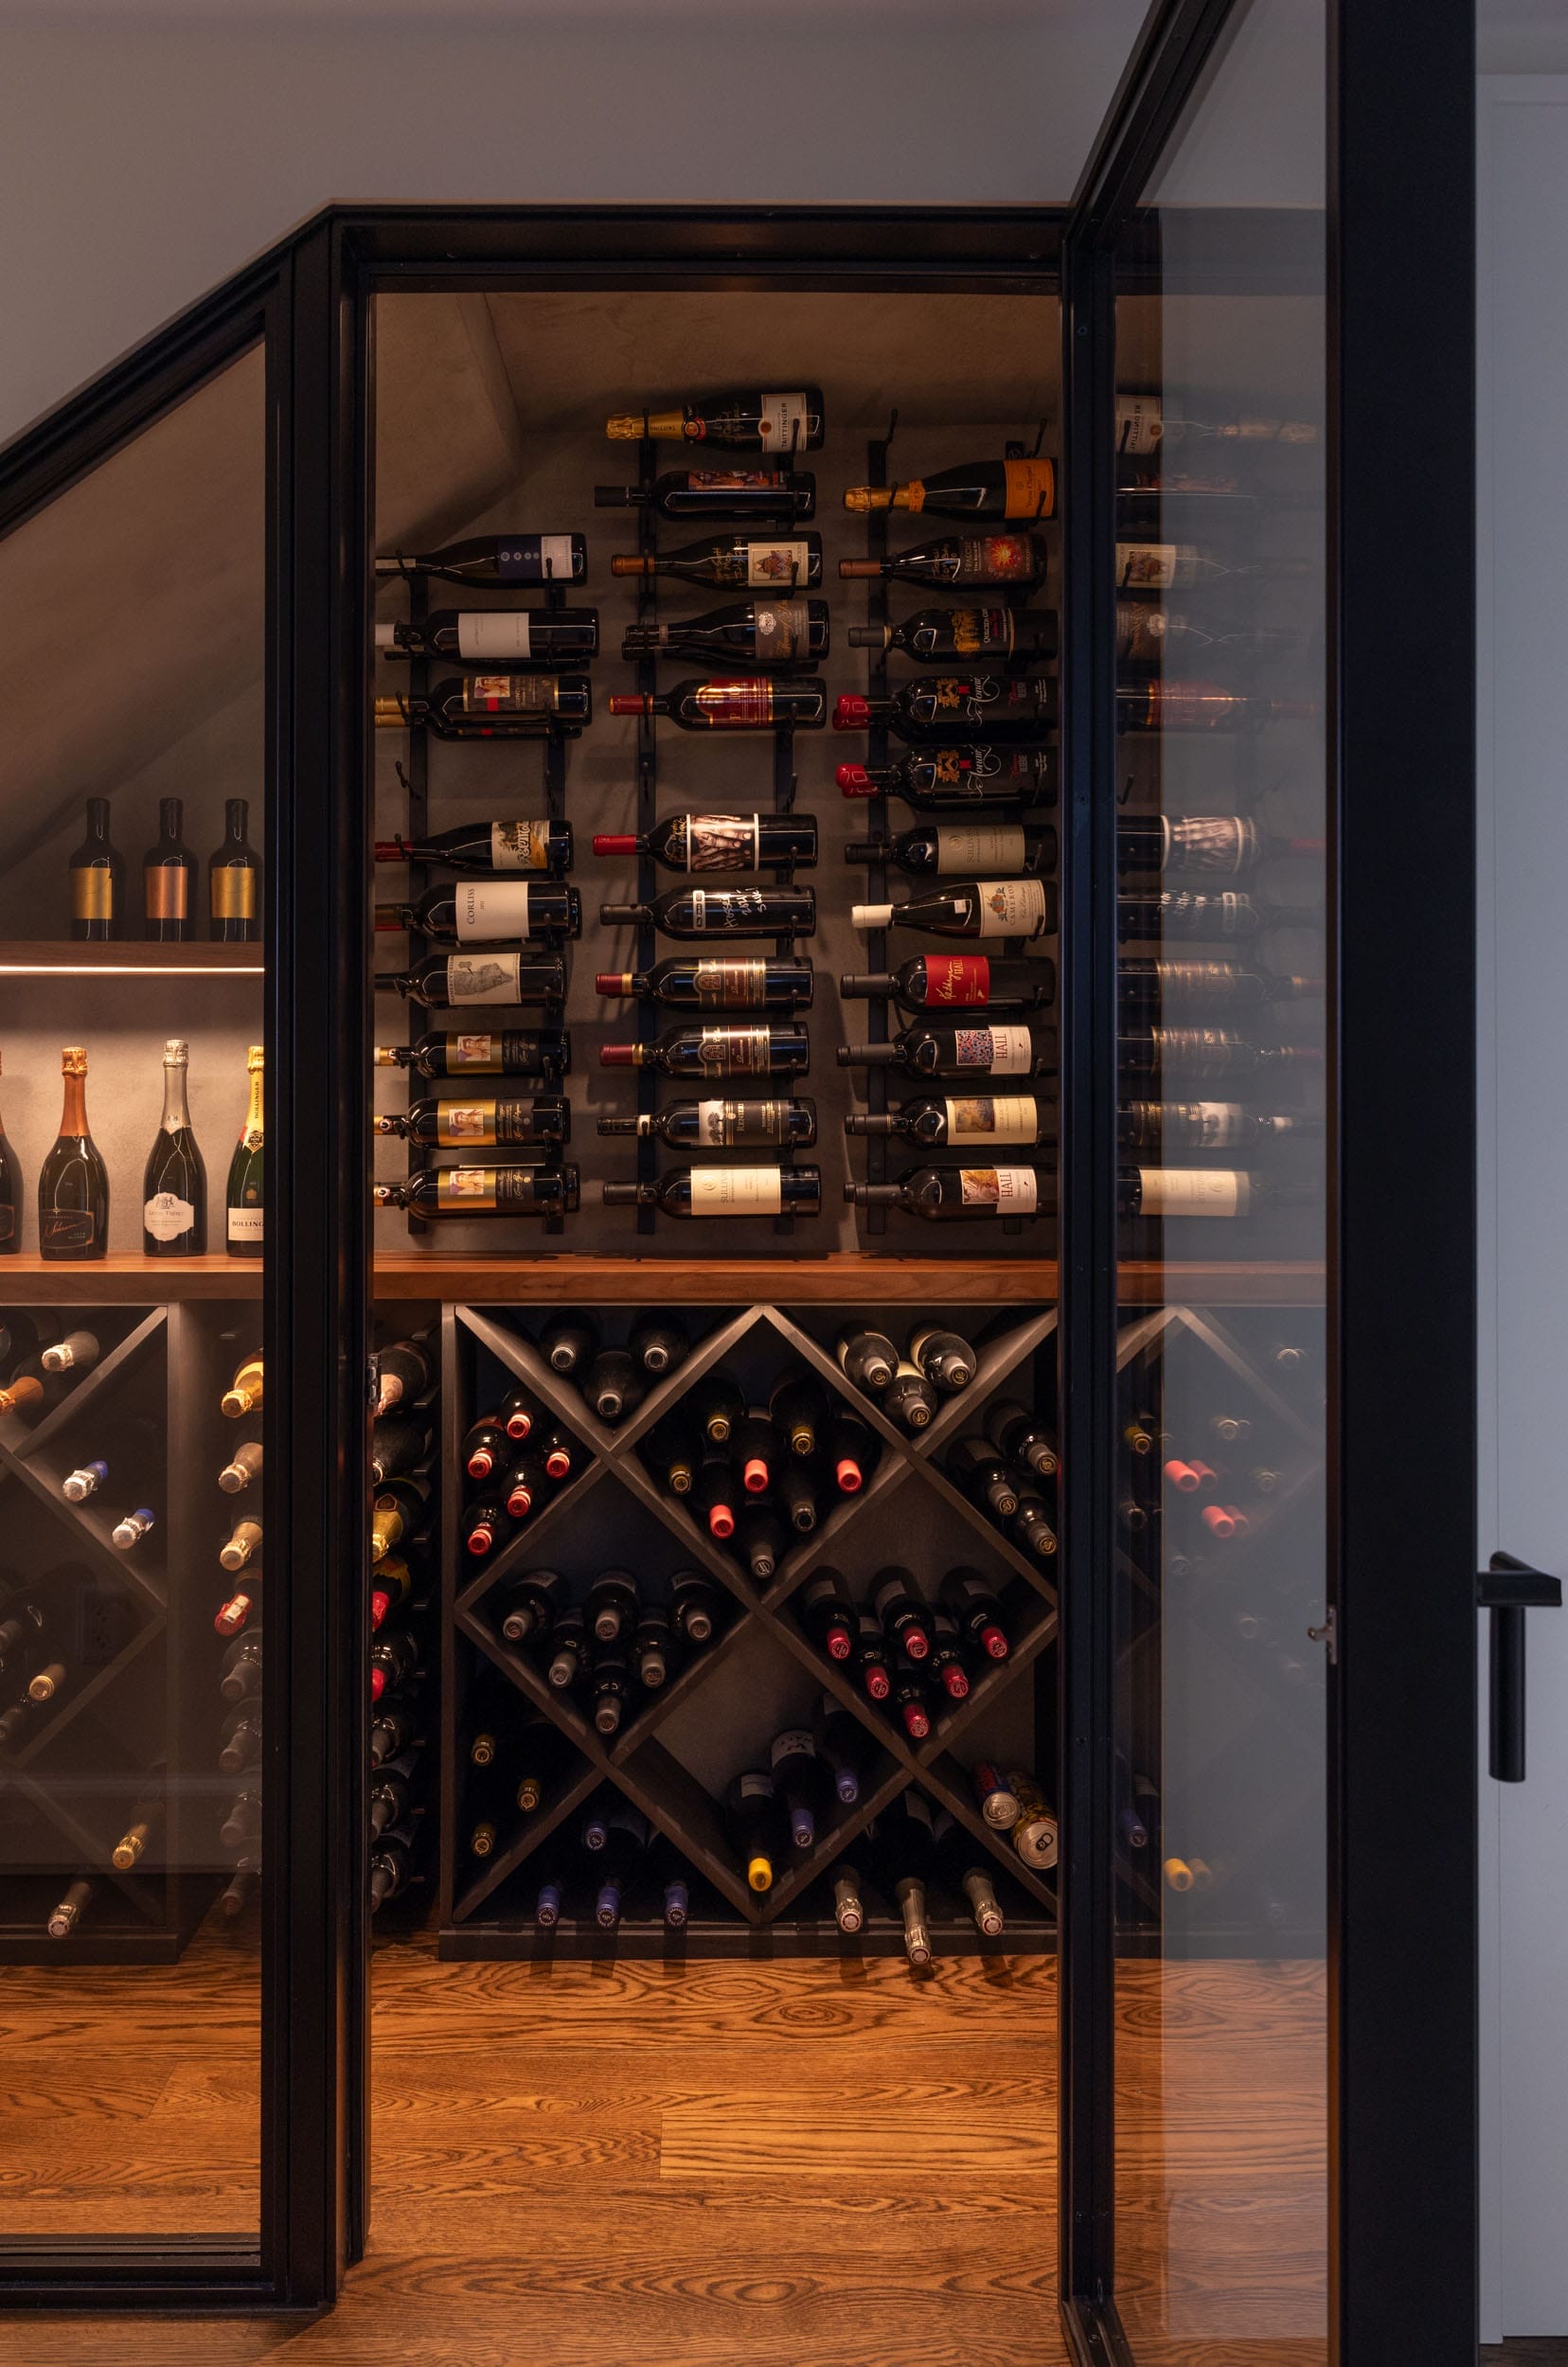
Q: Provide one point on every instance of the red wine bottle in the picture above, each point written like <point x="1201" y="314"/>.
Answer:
<point x="796" y="1498"/>
<point x="797" y="1406"/>
<point x="724" y="1125"/>
<point x="1143" y="984"/>
<point x="866" y="1358"/>
<point x="840" y="1744"/>
<point x="497" y="558"/>
<point x="714" y="1497"/>
<point x="717" y="983"/>
<point x="695" y="1606"/>
<point x="1161" y="704"/>
<point x="720" y="841"/>
<point x="517" y="1053"/>
<point x="671" y="1452"/>
<point x="781" y="1049"/>
<point x="658" y="1344"/>
<point x="523" y="1483"/>
<point x="724" y="1191"/>
<point x="947" y="1656"/>
<point x="951" y="849"/>
<point x="482" y="1120"/>
<point x="747" y="494"/>
<point x="960" y="1053"/>
<point x="949" y="1194"/>
<point x="487" y="848"/>
<point x="483" y="1191"/>
<point x="988" y="635"/>
<point x="1209" y="1126"/>
<point x="980" y="489"/>
<point x="614" y="1385"/>
<point x="763" y="911"/>
<point x="958" y="982"/>
<point x="1017" y="707"/>
<point x="611" y="1607"/>
<point x="903" y="1616"/>
<point x="169" y="878"/>
<point x="1013" y="559"/>
<point x="970" y="908"/>
<point x="956" y="1122"/>
<point x="716" y="1404"/>
<point x="828" y="1614"/>
<point x="958" y="779"/>
<point x="744" y="702"/>
<point x="910" y="1696"/>
<point x="851" y="1449"/>
<point x="744" y="420"/>
<point x="871" y="1658"/>
<point x="529" y="1606"/>
<point x="1165" y="1192"/>
<point x="493" y="707"/>
<point x="501" y="639"/>
<point x="763" y="632"/>
<point x="488" y="912"/>
<point x="759" y="562"/>
<point x="486" y="975"/>
<point x="978" y="1612"/>
<point x="761" y="1539"/>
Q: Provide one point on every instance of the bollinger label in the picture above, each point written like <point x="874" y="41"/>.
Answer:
<point x="726" y="1125"/>
<point x="1192" y="1192"/>
<point x="245" y="1224"/>
<point x="489" y="909"/>
<point x="1005" y="1051"/>
<point x="736" y="1191"/>
<point x="500" y="632"/>
<point x="783" y="630"/>
<point x="727" y="986"/>
<point x="1011" y="908"/>
<point x="519" y="846"/>
<point x="1005" y="1191"/>
<point x="720" y="841"/>
<point x="771" y="566"/>
<point x="992" y="1118"/>
<point x="736" y="1051"/>
<point x="93" y="893"/>
<point x="483" y="978"/>
<point x="970" y="846"/>
<point x="166" y="1215"/>
<point x="168" y="890"/>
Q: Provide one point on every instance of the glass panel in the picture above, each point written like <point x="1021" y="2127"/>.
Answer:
<point x="1220" y="1575"/>
<point x="132" y="644"/>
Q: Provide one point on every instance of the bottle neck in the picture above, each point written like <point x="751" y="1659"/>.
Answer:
<point x="255" y="1113"/>
<point x="235" y="810"/>
<point x="176" y="1111"/>
<point x="97" y="820"/>
<point x="171" y="816"/>
<point x="74" y="1115"/>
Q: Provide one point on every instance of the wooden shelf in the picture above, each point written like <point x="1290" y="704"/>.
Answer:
<point x="22" y="958"/>
<point x="127" y="1281"/>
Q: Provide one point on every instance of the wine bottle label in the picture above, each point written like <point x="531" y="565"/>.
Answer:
<point x="730" y="480"/>
<point x="519" y="846"/>
<point x="756" y="1787"/>
<point x="508" y="694"/>
<point x="783" y="630"/>
<point x="1211" y="1125"/>
<point x="484" y="978"/>
<point x="245" y="1224"/>
<point x="1011" y="908"/>
<point x="960" y="979"/>
<point x="166" y="1215"/>
<point x="719" y="1123"/>
<point x="535" y="559"/>
<point x="968" y="846"/>
<point x="234" y="892"/>
<point x="1031" y="487"/>
<point x="736" y="1051"/>
<point x="1140" y="422"/>
<point x="497" y="632"/>
<point x="729" y="908"/>
<point x="726" y="985"/>
<point x="1006" y="1191"/>
<point x="994" y="558"/>
<point x="62" y="1229"/>
<point x="721" y="842"/>
<point x="981" y="631"/>
<point x="1148" y="566"/>
<point x="469" y="1121"/>
<point x="480" y="1052"/>
<point x="1193" y="1192"/>
<point x="1006" y="1051"/>
<point x="992" y="1118"/>
<point x="740" y="701"/>
<point x="795" y="1743"/>
<point x="467" y="1187"/>
<point x="1141" y="630"/>
<point x="727" y="1191"/>
<point x="1215" y="843"/>
<point x="771" y="563"/>
<point x="1187" y="706"/>
<point x="783" y="423"/>
<point x="489" y="909"/>
<point x="93" y="893"/>
<point x="167" y="887"/>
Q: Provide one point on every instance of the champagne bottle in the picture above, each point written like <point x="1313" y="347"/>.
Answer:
<point x="720" y="841"/>
<point x="746" y="421"/>
<point x="234" y="881"/>
<point x="747" y="494"/>
<point x="934" y="635"/>
<point x="487" y="849"/>
<point x="1016" y="708"/>
<point x="781" y="1049"/>
<point x="1160" y="704"/>
<point x="755" y="1818"/>
<point x="761" y="912"/>
<point x="1195" y="1052"/>
<point x="497" y="558"/>
<point x="906" y="1862"/>
<point x="724" y="1125"/>
<point x="26" y="1392"/>
<point x="174" y="1183"/>
<point x="398" y="1443"/>
<point x="724" y="1191"/>
<point x="741" y="702"/>
<point x="169" y="880"/>
<point x="506" y="638"/>
<point x="66" y="1916"/>
<point x="980" y="489"/>
<point x="1019" y="1436"/>
<point x="942" y="1122"/>
<point x="960" y="1861"/>
<point x="243" y="1198"/>
<point x="959" y="1053"/>
<point x="849" y="1905"/>
<point x="485" y="1119"/>
<point x="1143" y="984"/>
<point x="97" y="882"/>
<point x="11" y="1197"/>
<point x="945" y="1195"/>
<point x="72" y="1182"/>
<point x="399" y="1510"/>
<point x="483" y="1191"/>
<point x="759" y="562"/>
<point x="77" y="1352"/>
<point x="488" y="912"/>
<point x="244" y="1394"/>
<point x="975" y="559"/>
<point x="493" y="707"/>
<point x="944" y="1356"/>
<point x="954" y="847"/>
<point x="490" y="974"/>
<point x="970" y="908"/>
<point x="239" y="1547"/>
<point x="717" y="983"/>
<point x="517" y="1053"/>
<point x="764" y="633"/>
<point x="79" y="1484"/>
<point x="957" y="779"/>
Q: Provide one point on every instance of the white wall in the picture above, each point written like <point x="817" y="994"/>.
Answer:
<point x="146" y="152"/>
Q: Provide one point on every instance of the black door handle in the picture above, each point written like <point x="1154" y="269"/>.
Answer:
<point x="1507" y="1588"/>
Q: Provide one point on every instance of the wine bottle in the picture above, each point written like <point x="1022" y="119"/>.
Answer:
<point x="174" y="1184"/>
<point x="796" y="1498"/>
<point x="658" y="1344"/>
<point x="944" y="1356"/>
<point x="851" y="1449"/>
<point x="841" y="1745"/>
<point x="1143" y="984"/>
<point x="760" y="1541"/>
<point x="827" y="1615"/>
<point x="569" y="1344"/>
<point x="508" y="639"/>
<point x="953" y="1122"/>
<point x="933" y="635"/>
<point x="717" y="983"/>
<point x="945" y="1195"/>
<point x="66" y="1915"/>
<point x="487" y="848"/>
<point x="234" y="881"/>
<point x="724" y="1191"/>
<point x="760" y="562"/>
<point x="232" y="1615"/>
<point x="652" y="1646"/>
<point x="798" y="1409"/>
<point x="868" y="1358"/>
<point x="493" y="707"/>
<point x="757" y="1825"/>
<point x="244" y="1394"/>
<point x="974" y="1605"/>
<point x="909" y="1398"/>
<point x="970" y="908"/>
<point x="406" y="1371"/>
<point x="240" y="1674"/>
<point x="1203" y="1052"/>
<point x="871" y="1658"/>
<point x="960" y="1861"/>
<point x="694" y="1606"/>
<point x="1032" y="1522"/>
<point x="849" y="1905"/>
<point x="714" y="1497"/>
<point x="487" y="975"/>
<point x="947" y="1656"/>
<point x="1019" y="1436"/>
<point x="1201" y="845"/>
<point x="484" y="1119"/>
<point x="1016" y="708"/>
<point x="244" y="1215"/>
<point x="72" y="1182"/>
<point x="518" y="1054"/>
<point x="764" y="633"/>
<point x="610" y="1606"/>
<point x="11" y="1197"/>
<point x="616" y="1861"/>
<point x="394" y="1588"/>
<point x="956" y="779"/>
<point x="763" y="912"/>
<point x="528" y="1606"/>
<point x="395" y="1726"/>
<point x="613" y="1384"/>
<point x="1033" y="1831"/>
<point x="1014" y="560"/>
<point x="400" y="1510"/>
<point x="1153" y="636"/>
<point x="756" y="1447"/>
<point x="77" y="1352"/>
<point x="741" y="702"/>
<point x="485" y="1524"/>
<point x="718" y="841"/>
<point x="169" y="880"/>
<point x="518" y="1417"/>
<point x="781" y="1049"/>
<point x="716" y="1404"/>
<point x="391" y="1868"/>
<point x="239" y="1745"/>
<point x="981" y="489"/>
<point x="483" y="1191"/>
<point x="1158" y="703"/>
<point x="398" y="1444"/>
<point x="21" y="1622"/>
<point x="1142" y="423"/>
<point x="744" y="421"/>
<point x="906" y="1862"/>
<point x="25" y="1393"/>
<point x="97" y="882"/>
<point x="1165" y="1192"/>
<point x="670" y="1449"/>
<point x="743" y="493"/>
<point x="238" y="1548"/>
<point x="497" y="558"/>
<point x="801" y="1782"/>
<point x="78" y="1485"/>
<point x="1219" y="917"/>
<point x="903" y="1616"/>
<point x="1154" y="567"/>
<point x="488" y="912"/>
<point x="724" y="1125"/>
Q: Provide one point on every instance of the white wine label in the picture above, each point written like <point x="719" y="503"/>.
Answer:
<point x="756" y="1787"/>
<point x="166" y="1215"/>
<point x="992" y="1118"/>
<point x="783" y="423"/>
<point x="734" y="1191"/>
<point x="736" y="1051"/>
<point x="490" y="909"/>
<point x="1140" y="422"/>
<point x="519" y="846"/>
<point x="967" y="846"/>
<point x="555" y="558"/>
<point x="1005" y="1191"/>
<point x="770" y="565"/>
<point x="728" y="985"/>
<point x="501" y="633"/>
<point x="465" y="1122"/>
<point x="1193" y="1192"/>
<point x="784" y="1745"/>
<point x="783" y="631"/>
<point x="474" y="1050"/>
<point x="722" y="842"/>
<point x="1006" y="1051"/>
<point x="722" y="1123"/>
<point x="1148" y="566"/>
<point x="245" y="1224"/>
<point x="465" y="1188"/>
<point x="1011" y="908"/>
<point x="484" y="978"/>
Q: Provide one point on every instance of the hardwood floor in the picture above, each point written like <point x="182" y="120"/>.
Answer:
<point x="815" y="2163"/>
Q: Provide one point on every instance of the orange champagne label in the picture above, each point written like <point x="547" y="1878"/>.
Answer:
<point x="167" y="891"/>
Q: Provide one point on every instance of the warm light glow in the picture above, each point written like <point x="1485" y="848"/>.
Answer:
<point x="133" y="970"/>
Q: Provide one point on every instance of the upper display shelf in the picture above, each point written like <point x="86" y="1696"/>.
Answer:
<point x="24" y="957"/>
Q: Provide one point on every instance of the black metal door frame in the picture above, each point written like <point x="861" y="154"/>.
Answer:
<point x="1403" y="1979"/>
